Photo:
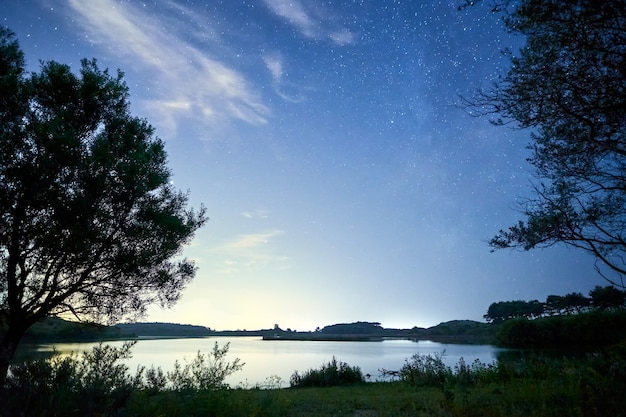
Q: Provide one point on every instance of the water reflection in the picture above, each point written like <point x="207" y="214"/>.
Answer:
<point x="264" y="359"/>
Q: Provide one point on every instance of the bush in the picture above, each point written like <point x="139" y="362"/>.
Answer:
<point x="98" y="384"/>
<point x="204" y="372"/>
<point x="591" y="330"/>
<point x="425" y="370"/>
<point x="330" y="374"/>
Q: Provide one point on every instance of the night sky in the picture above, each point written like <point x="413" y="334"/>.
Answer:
<point x="342" y="179"/>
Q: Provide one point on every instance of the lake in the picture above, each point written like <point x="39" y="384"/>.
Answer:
<point x="270" y="358"/>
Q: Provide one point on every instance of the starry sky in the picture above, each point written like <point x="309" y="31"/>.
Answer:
<point x="343" y="180"/>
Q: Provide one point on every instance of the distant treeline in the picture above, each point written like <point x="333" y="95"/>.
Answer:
<point x="162" y="330"/>
<point x="359" y="327"/>
<point x="569" y="321"/>
<point x="455" y="331"/>
<point x="600" y="299"/>
<point x="54" y="330"/>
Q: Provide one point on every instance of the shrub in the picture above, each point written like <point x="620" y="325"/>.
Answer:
<point x="425" y="370"/>
<point x="98" y="384"/>
<point x="591" y="330"/>
<point x="204" y="372"/>
<point x="330" y="374"/>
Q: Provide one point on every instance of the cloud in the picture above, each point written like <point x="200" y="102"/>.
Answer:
<point x="274" y="64"/>
<point x="310" y="20"/>
<point x="186" y="82"/>
<point x="342" y="37"/>
<point x="251" y="241"/>
<point x="257" y="214"/>
<point x="250" y="253"/>
<point x="288" y="91"/>
<point x="294" y="13"/>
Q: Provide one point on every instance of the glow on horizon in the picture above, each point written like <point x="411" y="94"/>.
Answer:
<point x="341" y="179"/>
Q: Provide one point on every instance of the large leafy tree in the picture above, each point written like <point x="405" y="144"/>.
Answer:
<point x="568" y="86"/>
<point x="90" y="225"/>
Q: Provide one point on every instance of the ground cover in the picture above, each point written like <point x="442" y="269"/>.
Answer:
<point x="566" y="396"/>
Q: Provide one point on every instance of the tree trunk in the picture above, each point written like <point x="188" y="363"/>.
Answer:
<point x="8" y="346"/>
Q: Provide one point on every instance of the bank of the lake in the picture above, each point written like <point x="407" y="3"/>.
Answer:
<point x="535" y="384"/>
<point x="590" y="386"/>
<point x="268" y="359"/>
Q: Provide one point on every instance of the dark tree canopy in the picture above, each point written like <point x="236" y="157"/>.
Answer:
<point x="90" y="225"/>
<point x="506" y="310"/>
<point x="600" y="298"/>
<point x="568" y="86"/>
<point x="607" y="298"/>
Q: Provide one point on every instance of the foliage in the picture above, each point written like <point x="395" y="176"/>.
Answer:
<point x="567" y="85"/>
<point x="535" y="385"/>
<point x="204" y="372"/>
<point x="505" y="310"/>
<point x="459" y="331"/>
<point x="90" y="224"/>
<point x="425" y="370"/>
<point x="99" y="384"/>
<point x="607" y="298"/>
<point x="573" y="302"/>
<point x="330" y="374"/>
<point x="162" y="329"/>
<point x="55" y="329"/>
<point x="600" y="298"/>
<point x="597" y="328"/>
<point x="359" y="327"/>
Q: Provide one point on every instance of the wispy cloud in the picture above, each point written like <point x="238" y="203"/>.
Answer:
<point x="255" y="214"/>
<point x="288" y="91"/>
<point x="309" y="19"/>
<point x="187" y="82"/>
<point x="251" y="241"/>
<point x="342" y="37"/>
<point x="274" y="64"/>
<point x="250" y="252"/>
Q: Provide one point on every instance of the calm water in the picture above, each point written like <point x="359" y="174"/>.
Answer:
<point x="265" y="358"/>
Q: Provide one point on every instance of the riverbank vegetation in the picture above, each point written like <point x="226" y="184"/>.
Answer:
<point x="577" y="367"/>
<point x="600" y="298"/>
<point x="535" y="384"/>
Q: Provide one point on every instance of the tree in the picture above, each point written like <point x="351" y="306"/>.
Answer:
<point x="506" y="310"/>
<point x="359" y="327"/>
<point x="555" y="304"/>
<point x="90" y="225"/>
<point x="607" y="298"/>
<point x="568" y="86"/>
<point x="576" y="302"/>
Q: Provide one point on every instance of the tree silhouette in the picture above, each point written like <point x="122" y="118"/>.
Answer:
<point x="607" y="298"/>
<point x="90" y="225"/>
<point x="567" y="85"/>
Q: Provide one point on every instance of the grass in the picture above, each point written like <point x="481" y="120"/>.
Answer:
<point x="529" y="397"/>
<point x="371" y="399"/>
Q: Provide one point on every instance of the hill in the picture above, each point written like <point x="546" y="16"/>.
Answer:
<point x="162" y="330"/>
<point x="54" y="329"/>
<point x="461" y="331"/>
